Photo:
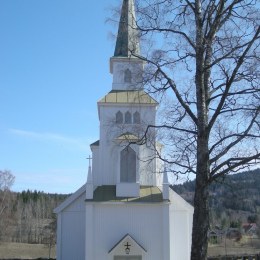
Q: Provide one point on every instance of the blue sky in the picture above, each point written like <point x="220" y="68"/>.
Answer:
<point x="54" y="67"/>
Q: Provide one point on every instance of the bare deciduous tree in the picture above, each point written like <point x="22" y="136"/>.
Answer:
<point x="6" y="181"/>
<point x="204" y="55"/>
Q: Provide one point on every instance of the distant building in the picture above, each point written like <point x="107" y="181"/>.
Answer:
<point x="250" y="229"/>
<point x="234" y="233"/>
<point x="126" y="210"/>
<point x="216" y="236"/>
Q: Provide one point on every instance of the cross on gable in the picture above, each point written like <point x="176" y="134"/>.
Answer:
<point x="89" y="158"/>
<point x="127" y="248"/>
<point x="125" y="245"/>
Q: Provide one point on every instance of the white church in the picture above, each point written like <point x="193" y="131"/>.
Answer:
<point x="126" y="210"/>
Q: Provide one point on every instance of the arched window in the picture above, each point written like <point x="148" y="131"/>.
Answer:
<point x="128" y="165"/>
<point x="119" y="117"/>
<point x="128" y="76"/>
<point x="137" y="119"/>
<point x="128" y="118"/>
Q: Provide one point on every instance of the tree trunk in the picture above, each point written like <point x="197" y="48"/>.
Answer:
<point x="200" y="224"/>
<point x="201" y="203"/>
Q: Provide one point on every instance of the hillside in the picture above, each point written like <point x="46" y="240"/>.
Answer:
<point x="232" y="199"/>
<point x="28" y="217"/>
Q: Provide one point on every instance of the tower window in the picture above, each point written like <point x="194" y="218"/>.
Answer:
<point x="128" y="118"/>
<point x="137" y="118"/>
<point x="128" y="76"/>
<point x="119" y="117"/>
<point x="128" y="165"/>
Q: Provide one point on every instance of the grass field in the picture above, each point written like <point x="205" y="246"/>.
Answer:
<point x="230" y="247"/>
<point x="33" y="251"/>
<point x="24" y="251"/>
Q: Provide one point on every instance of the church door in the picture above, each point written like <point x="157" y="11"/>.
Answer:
<point x="129" y="257"/>
<point x="128" y="165"/>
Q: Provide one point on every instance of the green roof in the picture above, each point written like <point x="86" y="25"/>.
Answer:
<point x="127" y="37"/>
<point x="107" y="193"/>
<point x="128" y="96"/>
<point x="127" y="136"/>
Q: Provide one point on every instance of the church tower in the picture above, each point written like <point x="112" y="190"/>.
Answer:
<point x="126" y="210"/>
<point x="124" y="114"/>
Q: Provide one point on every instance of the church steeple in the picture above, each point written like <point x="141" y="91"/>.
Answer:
<point x="126" y="68"/>
<point x="127" y="42"/>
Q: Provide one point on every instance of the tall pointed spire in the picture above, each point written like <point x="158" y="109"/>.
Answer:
<point x="166" y="192"/>
<point x="89" y="184"/>
<point x="127" y="42"/>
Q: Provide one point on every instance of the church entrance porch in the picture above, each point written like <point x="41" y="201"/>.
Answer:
<point x="129" y="257"/>
<point x="127" y="249"/>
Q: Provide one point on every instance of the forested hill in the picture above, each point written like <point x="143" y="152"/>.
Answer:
<point x="28" y="216"/>
<point x="238" y="193"/>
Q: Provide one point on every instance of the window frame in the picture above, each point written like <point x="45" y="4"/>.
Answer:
<point x="128" y="117"/>
<point x="119" y="117"/>
<point x="127" y="76"/>
<point x="128" y="163"/>
<point x="136" y="118"/>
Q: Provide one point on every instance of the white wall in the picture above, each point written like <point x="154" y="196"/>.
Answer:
<point x="71" y="231"/>
<point x="180" y="227"/>
<point x="109" y="149"/>
<point x="143" y="222"/>
<point x="119" y="65"/>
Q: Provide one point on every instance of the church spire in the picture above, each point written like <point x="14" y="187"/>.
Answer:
<point x="127" y="42"/>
